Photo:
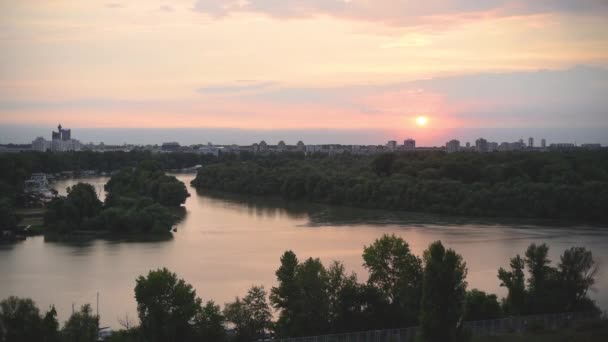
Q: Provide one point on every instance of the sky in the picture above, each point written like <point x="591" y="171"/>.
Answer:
<point x="344" y="71"/>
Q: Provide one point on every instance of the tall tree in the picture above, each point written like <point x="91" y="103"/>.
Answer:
<point x="20" y="321"/>
<point x="251" y="315"/>
<point x="577" y="271"/>
<point x="443" y="294"/>
<point x="210" y="323"/>
<point x="166" y="305"/>
<point x="397" y="273"/>
<point x="542" y="284"/>
<point x="82" y="326"/>
<point x="514" y="281"/>
<point x="286" y="297"/>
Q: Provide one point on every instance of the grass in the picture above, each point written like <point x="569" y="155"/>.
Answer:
<point x="595" y="331"/>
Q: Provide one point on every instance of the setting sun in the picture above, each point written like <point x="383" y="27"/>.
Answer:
<point x="421" y="121"/>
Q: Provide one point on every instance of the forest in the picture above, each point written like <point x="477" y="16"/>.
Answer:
<point x="311" y="299"/>
<point x="569" y="185"/>
<point x="15" y="168"/>
<point x="138" y="201"/>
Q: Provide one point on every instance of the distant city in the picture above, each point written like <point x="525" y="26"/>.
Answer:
<point x="62" y="141"/>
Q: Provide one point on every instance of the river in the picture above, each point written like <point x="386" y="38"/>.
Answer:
<point x="225" y="244"/>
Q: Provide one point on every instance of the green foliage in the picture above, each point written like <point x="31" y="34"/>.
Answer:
<point x="166" y="305"/>
<point x="514" y="281"/>
<point x="552" y="185"/>
<point x="20" y="321"/>
<point x="73" y="212"/>
<point x="549" y="289"/>
<point x="397" y="274"/>
<point x="210" y="323"/>
<point x="146" y="180"/>
<point x="8" y="219"/>
<point x="576" y="274"/>
<point x="136" y="203"/>
<point x="480" y="306"/>
<point x="250" y="316"/>
<point x="443" y="294"/>
<point x="286" y="296"/>
<point x="82" y="326"/>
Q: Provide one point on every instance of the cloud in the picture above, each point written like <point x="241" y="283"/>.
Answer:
<point x="240" y="86"/>
<point x="399" y="12"/>
<point x="114" y="5"/>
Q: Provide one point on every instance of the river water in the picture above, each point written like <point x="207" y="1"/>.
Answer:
<point x="225" y="244"/>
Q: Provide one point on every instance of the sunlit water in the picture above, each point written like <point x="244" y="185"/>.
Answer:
<point x="225" y="244"/>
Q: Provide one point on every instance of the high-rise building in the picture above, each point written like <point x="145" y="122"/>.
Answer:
<point x="452" y="146"/>
<point x="391" y="145"/>
<point x="543" y="143"/>
<point x="409" y="144"/>
<point x="530" y="142"/>
<point x="281" y="146"/>
<point x="62" y="140"/>
<point x="481" y="145"/>
<point x="41" y="145"/>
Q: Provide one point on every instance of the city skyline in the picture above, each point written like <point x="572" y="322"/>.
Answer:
<point x="323" y="68"/>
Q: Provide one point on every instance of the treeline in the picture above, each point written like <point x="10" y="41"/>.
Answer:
<point x="312" y="299"/>
<point x="552" y="185"/>
<point x="15" y="168"/>
<point x="138" y="200"/>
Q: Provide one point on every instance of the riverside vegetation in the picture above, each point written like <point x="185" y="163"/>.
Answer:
<point x="15" y="168"/>
<point x="138" y="201"/>
<point x="570" y="185"/>
<point x="311" y="298"/>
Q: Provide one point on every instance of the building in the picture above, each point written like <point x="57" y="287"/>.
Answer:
<point x="492" y="146"/>
<point x="591" y="146"/>
<point x="391" y="145"/>
<point x="263" y="146"/>
<point x="543" y="143"/>
<point x="61" y="141"/>
<point x="281" y="146"/>
<point x="452" y="146"/>
<point x="409" y="144"/>
<point x="530" y="142"/>
<point x="481" y="145"/>
<point x="170" y="147"/>
<point x="41" y="145"/>
<point x="300" y="146"/>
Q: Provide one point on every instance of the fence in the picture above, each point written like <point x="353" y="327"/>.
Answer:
<point x="517" y="324"/>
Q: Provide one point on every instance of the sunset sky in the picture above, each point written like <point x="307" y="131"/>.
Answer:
<point x="349" y="71"/>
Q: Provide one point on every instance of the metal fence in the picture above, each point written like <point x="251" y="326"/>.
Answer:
<point x="501" y="326"/>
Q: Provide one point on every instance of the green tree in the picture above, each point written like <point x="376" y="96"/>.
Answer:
<point x="542" y="284"/>
<point x="251" y="316"/>
<point x="172" y="193"/>
<point x="20" y="321"/>
<point x="383" y="164"/>
<point x="73" y="211"/>
<point x="50" y="326"/>
<point x="345" y="300"/>
<point x="82" y="326"/>
<point x="166" y="305"/>
<point x="8" y="219"/>
<point x="443" y="295"/>
<point x="313" y="317"/>
<point x="577" y="271"/>
<point x="514" y="281"/>
<point x="210" y="323"/>
<point x="480" y="306"/>
<point x="397" y="274"/>
<point x="287" y="297"/>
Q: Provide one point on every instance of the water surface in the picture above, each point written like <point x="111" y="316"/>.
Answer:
<point x="225" y="244"/>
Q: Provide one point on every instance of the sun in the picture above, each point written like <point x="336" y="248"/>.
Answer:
<point x="421" y="121"/>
